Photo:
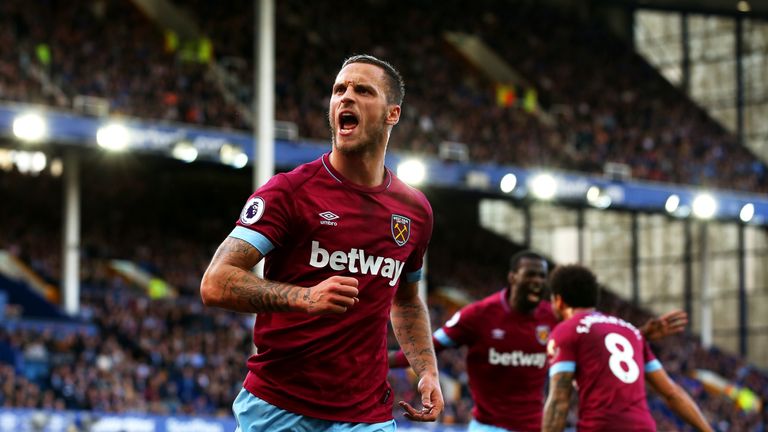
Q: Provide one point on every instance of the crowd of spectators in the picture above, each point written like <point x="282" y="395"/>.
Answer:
<point x="606" y="104"/>
<point x="174" y="356"/>
<point x="107" y="50"/>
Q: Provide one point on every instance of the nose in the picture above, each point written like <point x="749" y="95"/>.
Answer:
<point x="347" y="95"/>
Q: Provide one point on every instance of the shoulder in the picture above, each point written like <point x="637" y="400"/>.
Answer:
<point x="410" y="195"/>
<point x="564" y="329"/>
<point x="485" y="308"/>
<point x="300" y="175"/>
<point x="467" y="314"/>
<point x="544" y="313"/>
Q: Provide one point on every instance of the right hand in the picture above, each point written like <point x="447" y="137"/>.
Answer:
<point x="431" y="401"/>
<point x="333" y="295"/>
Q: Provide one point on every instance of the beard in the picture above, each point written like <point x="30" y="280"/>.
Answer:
<point x="370" y="138"/>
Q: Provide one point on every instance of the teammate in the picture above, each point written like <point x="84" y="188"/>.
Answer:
<point x="506" y="334"/>
<point x="344" y="241"/>
<point x="609" y="359"/>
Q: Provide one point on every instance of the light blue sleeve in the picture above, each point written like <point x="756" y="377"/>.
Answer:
<point x="253" y="238"/>
<point x="652" y="366"/>
<point x="563" y="366"/>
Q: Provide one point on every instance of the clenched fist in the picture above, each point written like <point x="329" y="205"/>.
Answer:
<point x="333" y="295"/>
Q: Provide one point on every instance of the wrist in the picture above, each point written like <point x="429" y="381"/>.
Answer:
<point x="299" y="302"/>
<point x="428" y="372"/>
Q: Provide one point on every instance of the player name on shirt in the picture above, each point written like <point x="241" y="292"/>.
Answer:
<point x="516" y="358"/>
<point x="585" y="324"/>
<point x="368" y="264"/>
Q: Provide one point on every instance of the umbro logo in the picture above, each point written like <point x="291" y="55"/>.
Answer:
<point x="329" y="218"/>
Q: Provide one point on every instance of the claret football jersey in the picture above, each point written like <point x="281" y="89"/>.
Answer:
<point x="506" y="359"/>
<point x="311" y="224"/>
<point x="609" y="359"/>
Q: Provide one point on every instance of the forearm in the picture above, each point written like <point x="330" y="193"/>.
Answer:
<point x="558" y="403"/>
<point x="682" y="404"/>
<point x="239" y="290"/>
<point x="397" y="359"/>
<point x="410" y="323"/>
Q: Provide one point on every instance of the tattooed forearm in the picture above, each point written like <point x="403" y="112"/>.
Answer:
<point x="261" y="294"/>
<point x="410" y="323"/>
<point x="558" y="402"/>
<point x="230" y="284"/>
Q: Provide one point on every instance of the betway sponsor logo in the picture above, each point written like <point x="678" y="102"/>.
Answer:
<point x="516" y="358"/>
<point x="356" y="261"/>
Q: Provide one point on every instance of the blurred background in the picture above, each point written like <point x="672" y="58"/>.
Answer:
<point x="631" y="136"/>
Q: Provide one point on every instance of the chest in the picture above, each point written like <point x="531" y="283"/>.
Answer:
<point x="509" y="334"/>
<point x="360" y="224"/>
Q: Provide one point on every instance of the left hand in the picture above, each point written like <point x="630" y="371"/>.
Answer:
<point x="431" y="401"/>
<point x="666" y="325"/>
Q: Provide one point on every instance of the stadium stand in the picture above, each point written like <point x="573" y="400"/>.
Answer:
<point x="612" y="107"/>
<point x="172" y="356"/>
<point x="167" y="219"/>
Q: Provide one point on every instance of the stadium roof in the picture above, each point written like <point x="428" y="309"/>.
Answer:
<point x="758" y="8"/>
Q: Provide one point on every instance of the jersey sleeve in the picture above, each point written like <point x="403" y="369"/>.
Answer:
<point x="652" y="364"/>
<point x="561" y="350"/>
<point x="459" y="330"/>
<point x="266" y="217"/>
<point x="415" y="262"/>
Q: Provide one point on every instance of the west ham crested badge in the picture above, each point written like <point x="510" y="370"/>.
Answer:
<point x="401" y="229"/>
<point x="542" y="334"/>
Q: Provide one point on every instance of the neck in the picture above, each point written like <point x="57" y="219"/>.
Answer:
<point x="569" y="312"/>
<point x="513" y="304"/>
<point x="362" y="169"/>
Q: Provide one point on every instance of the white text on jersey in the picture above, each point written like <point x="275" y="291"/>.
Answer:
<point x="516" y="358"/>
<point x="357" y="262"/>
<point x="585" y="324"/>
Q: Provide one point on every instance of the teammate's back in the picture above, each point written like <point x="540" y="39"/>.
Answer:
<point x="609" y="358"/>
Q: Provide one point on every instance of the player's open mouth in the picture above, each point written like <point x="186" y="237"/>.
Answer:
<point x="534" y="295"/>
<point x="347" y="122"/>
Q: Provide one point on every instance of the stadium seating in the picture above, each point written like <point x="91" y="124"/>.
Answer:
<point x="607" y="105"/>
<point x="173" y="356"/>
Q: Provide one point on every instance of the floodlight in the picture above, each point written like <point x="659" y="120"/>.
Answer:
<point x="543" y="186"/>
<point x="29" y="162"/>
<point x="412" y="171"/>
<point x="38" y="161"/>
<point x="240" y="160"/>
<point x="508" y="183"/>
<point x="30" y="127"/>
<point x="747" y="212"/>
<point x="596" y="197"/>
<point x="673" y="202"/>
<point x="233" y="156"/>
<point x="704" y="206"/>
<point x="743" y="6"/>
<point x="184" y="151"/>
<point x="113" y="137"/>
<point x="57" y="167"/>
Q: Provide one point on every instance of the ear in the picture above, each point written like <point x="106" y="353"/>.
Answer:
<point x="557" y="301"/>
<point x="511" y="278"/>
<point x="393" y="115"/>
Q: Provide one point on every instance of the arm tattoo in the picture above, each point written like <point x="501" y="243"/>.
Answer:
<point x="242" y="290"/>
<point x="558" y="402"/>
<point x="263" y="295"/>
<point x="410" y="323"/>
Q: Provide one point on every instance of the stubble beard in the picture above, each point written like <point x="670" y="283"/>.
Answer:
<point x="369" y="142"/>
